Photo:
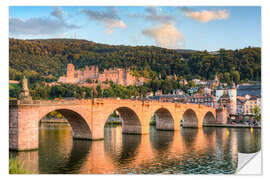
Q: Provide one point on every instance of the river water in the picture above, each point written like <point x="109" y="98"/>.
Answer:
<point x="208" y="150"/>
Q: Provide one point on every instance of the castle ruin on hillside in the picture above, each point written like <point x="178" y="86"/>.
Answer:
<point x="118" y="76"/>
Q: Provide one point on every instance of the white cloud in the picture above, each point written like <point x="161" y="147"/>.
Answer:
<point x="109" y="17"/>
<point x="206" y="16"/>
<point x="166" y="35"/>
<point x="38" y="26"/>
<point x="114" y="24"/>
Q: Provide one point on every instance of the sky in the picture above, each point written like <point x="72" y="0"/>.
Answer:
<point x="174" y="27"/>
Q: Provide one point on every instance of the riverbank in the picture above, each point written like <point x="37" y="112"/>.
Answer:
<point x="53" y="120"/>
<point x="231" y="125"/>
<point x="114" y="123"/>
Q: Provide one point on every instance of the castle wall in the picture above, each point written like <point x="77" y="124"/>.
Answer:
<point x="118" y="76"/>
<point x="68" y="80"/>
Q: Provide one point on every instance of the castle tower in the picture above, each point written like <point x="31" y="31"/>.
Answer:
<point x="86" y="73"/>
<point x="25" y="95"/>
<point x="121" y="77"/>
<point x="96" y="72"/>
<point x="70" y="71"/>
<point x="232" y="92"/>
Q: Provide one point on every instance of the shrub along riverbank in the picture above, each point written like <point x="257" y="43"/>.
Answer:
<point x="16" y="167"/>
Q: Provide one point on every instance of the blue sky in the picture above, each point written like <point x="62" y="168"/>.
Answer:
<point x="199" y="28"/>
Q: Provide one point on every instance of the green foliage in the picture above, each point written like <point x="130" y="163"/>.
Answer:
<point x="257" y="113"/>
<point x="41" y="92"/>
<point x="46" y="60"/>
<point x="14" y="90"/>
<point x="55" y="114"/>
<point x="90" y="81"/>
<point x="166" y="85"/>
<point x="125" y="92"/>
<point x="114" y="115"/>
<point x="15" y="167"/>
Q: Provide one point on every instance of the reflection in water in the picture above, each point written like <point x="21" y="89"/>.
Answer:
<point x="249" y="140"/>
<point x="122" y="149"/>
<point x="189" y="135"/>
<point x="161" y="140"/>
<point x="77" y="157"/>
<point x="197" y="151"/>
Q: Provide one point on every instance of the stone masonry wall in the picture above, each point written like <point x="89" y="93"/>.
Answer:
<point x="88" y="117"/>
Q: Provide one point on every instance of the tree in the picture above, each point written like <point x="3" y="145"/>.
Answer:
<point x="227" y="77"/>
<point x="235" y="76"/>
<point x="90" y="81"/>
<point x="47" y="59"/>
<point x="14" y="90"/>
<point x="257" y="113"/>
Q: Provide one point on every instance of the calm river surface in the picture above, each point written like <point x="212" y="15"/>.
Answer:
<point x="188" y="151"/>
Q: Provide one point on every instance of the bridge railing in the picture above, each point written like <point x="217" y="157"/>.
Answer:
<point x="17" y="102"/>
<point x="94" y="101"/>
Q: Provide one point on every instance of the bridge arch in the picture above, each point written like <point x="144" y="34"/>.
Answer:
<point x="209" y="118"/>
<point x="131" y="122"/>
<point x="164" y="119"/>
<point x="190" y="119"/>
<point x="80" y="128"/>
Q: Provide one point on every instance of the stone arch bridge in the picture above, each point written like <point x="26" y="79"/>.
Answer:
<point x="88" y="117"/>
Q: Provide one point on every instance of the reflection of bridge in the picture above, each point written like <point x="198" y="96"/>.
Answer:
<point x="88" y="117"/>
<point x="135" y="152"/>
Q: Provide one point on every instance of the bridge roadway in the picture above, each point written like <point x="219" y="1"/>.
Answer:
<point x="87" y="117"/>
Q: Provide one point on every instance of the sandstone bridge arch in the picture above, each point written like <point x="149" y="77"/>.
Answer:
<point x="164" y="119"/>
<point x="131" y="123"/>
<point x="88" y="117"/>
<point x="190" y="119"/>
<point x="79" y="125"/>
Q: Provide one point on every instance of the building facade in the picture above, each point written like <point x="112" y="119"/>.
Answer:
<point x="169" y="98"/>
<point x="227" y="98"/>
<point x="206" y="99"/>
<point x="118" y="76"/>
<point x="247" y="103"/>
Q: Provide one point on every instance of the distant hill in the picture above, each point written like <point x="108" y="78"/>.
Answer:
<point x="48" y="58"/>
<point x="186" y="50"/>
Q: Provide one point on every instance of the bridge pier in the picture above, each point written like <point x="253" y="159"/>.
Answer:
<point x="88" y="117"/>
<point x="222" y="116"/>
<point x="97" y="132"/>
<point x="23" y="131"/>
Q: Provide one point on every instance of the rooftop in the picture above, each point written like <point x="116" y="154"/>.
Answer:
<point x="253" y="90"/>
